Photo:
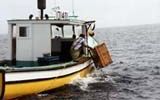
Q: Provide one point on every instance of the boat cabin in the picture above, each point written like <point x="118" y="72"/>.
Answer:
<point x="33" y="40"/>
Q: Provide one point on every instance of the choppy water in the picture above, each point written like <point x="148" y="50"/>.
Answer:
<point x="133" y="75"/>
<point x="3" y="47"/>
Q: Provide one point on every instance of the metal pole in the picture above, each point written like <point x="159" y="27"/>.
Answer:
<point x="41" y="14"/>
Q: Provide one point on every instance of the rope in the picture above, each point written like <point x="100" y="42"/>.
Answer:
<point x="96" y="66"/>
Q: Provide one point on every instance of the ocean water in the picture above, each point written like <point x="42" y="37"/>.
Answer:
<point x="133" y="75"/>
<point x="3" y="47"/>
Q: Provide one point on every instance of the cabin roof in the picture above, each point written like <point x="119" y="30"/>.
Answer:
<point x="50" y="21"/>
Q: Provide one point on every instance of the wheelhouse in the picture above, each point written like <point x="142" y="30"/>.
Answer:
<point x="32" y="41"/>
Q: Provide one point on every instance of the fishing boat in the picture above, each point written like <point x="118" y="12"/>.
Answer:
<point x="39" y="54"/>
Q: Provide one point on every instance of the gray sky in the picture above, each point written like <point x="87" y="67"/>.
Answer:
<point x="107" y="13"/>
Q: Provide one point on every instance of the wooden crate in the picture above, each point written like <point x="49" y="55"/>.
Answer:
<point x="103" y="57"/>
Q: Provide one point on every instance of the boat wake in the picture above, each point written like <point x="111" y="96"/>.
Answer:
<point x="95" y="77"/>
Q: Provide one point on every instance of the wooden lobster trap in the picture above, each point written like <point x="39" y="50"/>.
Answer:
<point x="103" y="57"/>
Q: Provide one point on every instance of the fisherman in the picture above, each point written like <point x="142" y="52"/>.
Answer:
<point x="77" y="48"/>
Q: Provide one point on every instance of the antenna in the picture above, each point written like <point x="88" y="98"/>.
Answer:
<point x="73" y="14"/>
<point x="56" y="7"/>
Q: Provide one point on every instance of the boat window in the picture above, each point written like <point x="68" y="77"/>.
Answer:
<point x="56" y="31"/>
<point x="69" y="30"/>
<point x="23" y="31"/>
<point x="78" y="30"/>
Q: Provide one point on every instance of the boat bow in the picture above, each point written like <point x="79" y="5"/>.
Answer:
<point x="2" y="83"/>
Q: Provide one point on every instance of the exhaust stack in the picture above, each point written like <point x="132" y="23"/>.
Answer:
<point x="41" y="5"/>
